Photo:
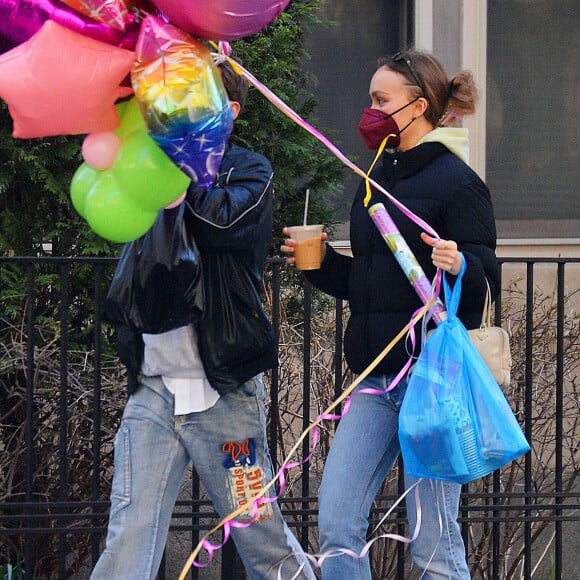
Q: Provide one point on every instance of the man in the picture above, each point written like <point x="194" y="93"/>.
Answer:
<point x="197" y="391"/>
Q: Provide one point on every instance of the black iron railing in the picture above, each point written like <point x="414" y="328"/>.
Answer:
<point x="61" y="396"/>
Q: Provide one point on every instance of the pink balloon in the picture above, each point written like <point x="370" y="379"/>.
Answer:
<point x="221" y="19"/>
<point x="178" y="201"/>
<point x="21" y="19"/>
<point x="100" y="149"/>
<point x="62" y="83"/>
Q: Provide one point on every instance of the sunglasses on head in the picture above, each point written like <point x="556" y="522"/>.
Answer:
<point x="402" y="57"/>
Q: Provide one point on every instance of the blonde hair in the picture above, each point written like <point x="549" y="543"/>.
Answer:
<point x="449" y="99"/>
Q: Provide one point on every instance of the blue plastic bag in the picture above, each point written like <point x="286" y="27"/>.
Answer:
<point x="455" y="423"/>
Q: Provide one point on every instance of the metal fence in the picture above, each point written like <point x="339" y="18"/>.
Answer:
<point x="60" y="403"/>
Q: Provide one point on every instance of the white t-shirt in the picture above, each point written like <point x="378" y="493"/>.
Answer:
<point x="174" y="357"/>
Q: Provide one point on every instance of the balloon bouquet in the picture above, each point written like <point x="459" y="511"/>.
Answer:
<point x="135" y="77"/>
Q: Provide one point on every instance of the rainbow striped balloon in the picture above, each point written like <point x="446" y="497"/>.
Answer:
<point x="182" y="99"/>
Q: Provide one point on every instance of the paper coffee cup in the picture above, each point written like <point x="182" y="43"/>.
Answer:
<point x="308" y="249"/>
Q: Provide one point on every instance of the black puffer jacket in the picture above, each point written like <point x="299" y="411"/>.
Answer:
<point x="441" y="189"/>
<point x="232" y="227"/>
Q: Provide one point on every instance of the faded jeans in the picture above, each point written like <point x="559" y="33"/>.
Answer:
<point x="227" y="444"/>
<point x="363" y="451"/>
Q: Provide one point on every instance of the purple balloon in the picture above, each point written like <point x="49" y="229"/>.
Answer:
<point x="21" y="19"/>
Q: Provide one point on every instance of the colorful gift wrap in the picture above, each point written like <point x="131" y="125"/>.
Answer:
<point x="406" y="259"/>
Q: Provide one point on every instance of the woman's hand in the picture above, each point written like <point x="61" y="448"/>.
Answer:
<point x="445" y="254"/>
<point x="289" y="243"/>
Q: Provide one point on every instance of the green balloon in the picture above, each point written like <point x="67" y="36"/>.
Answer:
<point x="121" y="204"/>
<point x="112" y="215"/>
<point x="146" y="175"/>
<point x="82" y="182"/>
<point x="131" y="119"/>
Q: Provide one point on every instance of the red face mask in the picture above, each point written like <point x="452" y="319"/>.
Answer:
<point x="375" y="126"/>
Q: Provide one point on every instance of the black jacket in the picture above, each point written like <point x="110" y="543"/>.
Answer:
<point x="441" y="189"/>
<point x="232" y="227"/>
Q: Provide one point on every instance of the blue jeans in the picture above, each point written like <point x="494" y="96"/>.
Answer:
<point x="363" y="451"/>
<point x="227" y="444"/>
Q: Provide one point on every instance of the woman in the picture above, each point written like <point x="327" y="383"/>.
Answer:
<point x="415" y="112"/>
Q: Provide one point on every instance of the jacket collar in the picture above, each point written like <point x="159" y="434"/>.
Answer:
<point x="406" y="163"/>
<point x="403" y="164"/>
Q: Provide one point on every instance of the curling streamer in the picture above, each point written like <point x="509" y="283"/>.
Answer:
<point x="318" y="560"/>
<point x="379" y="214"/>
<point x="291" y="114"/>
<point x="228" y="521"/>
<point x="399" y="247"/>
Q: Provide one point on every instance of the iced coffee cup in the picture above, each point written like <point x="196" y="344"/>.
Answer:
<point x="308" y="249"/>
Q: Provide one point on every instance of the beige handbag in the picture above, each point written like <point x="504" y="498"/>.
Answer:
<point x="493" y="344"/>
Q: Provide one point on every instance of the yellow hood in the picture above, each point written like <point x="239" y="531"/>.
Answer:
<point x="456" y="139"/>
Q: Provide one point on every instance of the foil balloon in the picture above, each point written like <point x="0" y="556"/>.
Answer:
<point x="62" y="83"/>
<point x="182" y="98"/>
<point x="221" y="19"/>
<point x="21" y="19"/>
<point x="121" y="202"/>
<point x="115" y="13"/>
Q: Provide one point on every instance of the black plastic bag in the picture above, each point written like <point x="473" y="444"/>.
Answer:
<point x="158" y="282"/>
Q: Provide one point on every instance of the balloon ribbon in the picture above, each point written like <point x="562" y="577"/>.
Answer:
<point x="227" y="522"/>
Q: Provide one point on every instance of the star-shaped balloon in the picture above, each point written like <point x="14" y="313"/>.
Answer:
<point x="63" y="83"/>
<point x="183" y="99"/>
